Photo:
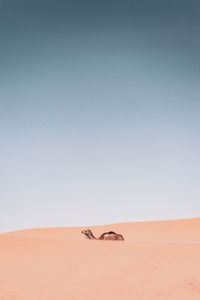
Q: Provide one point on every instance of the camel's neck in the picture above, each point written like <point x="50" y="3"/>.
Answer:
<point x="91" y="236"/>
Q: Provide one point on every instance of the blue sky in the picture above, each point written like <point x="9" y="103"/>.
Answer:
<point x="99" y="112"/>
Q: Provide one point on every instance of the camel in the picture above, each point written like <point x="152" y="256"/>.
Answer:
<point x="111" y="235"/>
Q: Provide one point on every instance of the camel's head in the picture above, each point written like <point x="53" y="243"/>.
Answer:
<point x="87" y="233"/>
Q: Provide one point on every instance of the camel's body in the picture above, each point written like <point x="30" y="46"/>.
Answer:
<point x="111" y="235"/>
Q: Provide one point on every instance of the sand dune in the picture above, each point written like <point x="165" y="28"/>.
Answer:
<point x="158" y="260"/>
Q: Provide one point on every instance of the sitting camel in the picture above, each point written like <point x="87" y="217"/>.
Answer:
<point x="111" y="235"/>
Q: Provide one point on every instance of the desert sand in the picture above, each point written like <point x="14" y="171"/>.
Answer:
<point x="158" y="260"/>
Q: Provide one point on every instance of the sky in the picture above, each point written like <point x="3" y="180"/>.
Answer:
<point x="99" y="112"/>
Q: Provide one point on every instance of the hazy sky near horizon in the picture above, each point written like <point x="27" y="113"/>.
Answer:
<point x="99" y="111"/>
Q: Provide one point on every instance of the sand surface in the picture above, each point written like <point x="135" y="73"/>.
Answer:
<point x="158" y="260"/>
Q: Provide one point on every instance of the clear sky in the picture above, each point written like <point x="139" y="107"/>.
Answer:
<point x="99" y="111"/>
